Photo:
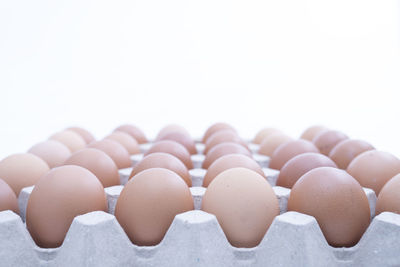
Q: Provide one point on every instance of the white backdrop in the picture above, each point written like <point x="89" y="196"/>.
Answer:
<point x="287" y="64"/>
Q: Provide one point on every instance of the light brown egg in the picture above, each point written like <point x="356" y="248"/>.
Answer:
<point x="85" y="134"/>
<point x="215" y="128"/>
<point x="99" y="163"/>
<point x="171" y="128"/>
<point x="228" y="162"/>
<point x="148" y="204"/>
<point x="374" y="168"/>
<point x="272" y="142"/>
<point x="52" y="152"/>
<point x="344" y="152"/>
<point x="70" y="139"/>
<point x="126" y="140"/>
<point x="389" y="197"/>
<point x="163" y="160"/>
<point x="288" y="150"/>
<point x="115" y="150"/>
<point x="223" y="149"/>
<point x="173" y="148"/>
<point x="223" y="136"/>
<point x="328" y="139"/>
<point x="312" y="131"/>
<point x="244" y="203"/>
<point x="336" y="201"/>
<point x="8" y="200"/>
<point x="183" y="139"/>
<point x="134" y="131"/>
<point x="22" y="170"/>
<point x="300" y="165"/>
<point x="263" y="133"/>
<point x="62" y="194"/>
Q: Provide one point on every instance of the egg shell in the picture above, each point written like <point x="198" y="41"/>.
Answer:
<point x="62" y="194"/>
<point x="149" y="203"/>
<point x="8" y="199"/>
<point x="215" y="128"/>
<point x="312" y="131"/>
<point x="223" y="149"/>
<point x="70" y="139"/>
<point x="272" y="142"/>
<point x="244" y="203"/>
<point x="336" y="200"/>
<point x="230" y="161"/>
<point x="344" y="152"/>
<point x="85" y="134"/>
<point x="183" y="139"/>
<point x="115" y="150"/>
<point x="389" y="197"/>
<point x="54" y="153"/>
<point x="223" y="136"/>
<point x="126" y="140"/>
<point x="162" y="160"/>
<point x="22" y="170"/>
<point x="373" y="168"/>
<point x="134" y="131"/>
<point x="173" y="148"/>
<point x="263" y="133"/>
<point x="97" y="162"/>
<point x="326" y="140"/>
<point x="171" y="128"/>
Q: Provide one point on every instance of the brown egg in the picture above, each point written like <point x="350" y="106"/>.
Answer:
<point x="62" y="194"/>
<point x="374" y="168"/>
<point x="173" y="148"/>
<point x="126" y="140"/>
<point x="99" y="163"/>
<point x="344" y="152"/>
<point x="223" y="149"/>
<point x="52" y="152"/>
<point x="148" y="204"/>
<point x="230" y="161"/>
<point x="8" y="200"/>
<point x="389" y="197"/>
<point x="223" y="136"/>
<point x="288" y="150"/>
<point x="22" y="170"/>
<point x="163" y="160"/>
<point x="215" y="128"/>
<point x="272" y="142"/>
<point x="244" y="203"/>
<point x="327" y="140"/>
<point x="171" y="128"/>
<point x="183" y="139"/>
<point x="336" y="201"/>
<point x="134" y="131"/>
<point x="299" y="165"/>
<point x="264" y="133"/>
<point x="70" y="139"/>
<point x="115" y="150"/>
<point x="312" y="131"/>
<point x="85" y="134"/>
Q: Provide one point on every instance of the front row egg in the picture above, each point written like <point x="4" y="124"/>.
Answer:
<point x="8" y="199"/>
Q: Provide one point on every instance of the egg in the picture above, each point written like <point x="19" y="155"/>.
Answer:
<point x="288" y="150"/>
<point x="8" y="199"/>
<point x="223" y="149"/>
<point x="85" y="134"/>
<point x="389" y="197"/>
<point x="215" y="128"/>
<point x="163" y="160"/>
<point x="62" y="194"/>
<point x="173" y="148"/>
<point x="99" y="163"/>
<point x="22" y="170"/>
<point x="312" y="131"/>
<point x="272" y="142"/>
<point x="171" y="128"/>
<point x="344" y="152"/>
<point x="374" y="168"/>
<point x="183" y="139"/>
<point x="52" y="152"/>
<point x="328" y="139"/>
<point x="149" y="203"/>
<point x="336" y="200"/>
<point x="222" y="137"/>
<point x="133" y="131"/>
<point x="70" y="139"/>
<point x="244" y="203"/>
<point x="126" y="140"/>
<point x="299" y="165"/>
<point x="264" y="133"/>
<point x="115" y="150"/>
<point x="230" y="161"/>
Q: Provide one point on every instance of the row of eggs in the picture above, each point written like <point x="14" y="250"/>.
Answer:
<point x="237" y="193"/>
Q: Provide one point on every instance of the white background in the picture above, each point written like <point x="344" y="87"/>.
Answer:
<point x="287" y="64"/>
